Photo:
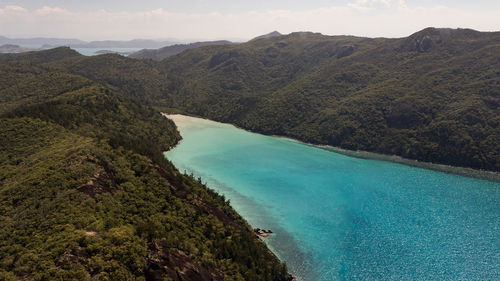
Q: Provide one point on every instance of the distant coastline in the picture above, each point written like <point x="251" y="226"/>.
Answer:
<point x="461" y="171"/>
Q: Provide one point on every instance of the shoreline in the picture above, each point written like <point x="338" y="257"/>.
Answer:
<point x="455" y="170"/>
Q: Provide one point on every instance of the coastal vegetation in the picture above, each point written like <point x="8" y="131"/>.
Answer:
<point x="86" y="194"/>
<point x="432" y="96"/>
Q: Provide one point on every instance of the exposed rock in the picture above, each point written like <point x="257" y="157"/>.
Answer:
<point x="182" y="192"/>
<point x="102" y="181"/>
<point x="423" y="41"/>
<point x="345" y="51"/>
<point x="213" y="210"/>
<point x="163" y="261"/>
<point x="262" y="232"/>
<point x="72" y="256"/>
<point x="429" y="38"/>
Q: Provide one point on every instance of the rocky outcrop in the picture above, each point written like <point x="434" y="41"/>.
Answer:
<point x="164" y="262"/>
<point x="103" y="181"/>
<point x="345" y="51"/>
<point x="430" y="38"/>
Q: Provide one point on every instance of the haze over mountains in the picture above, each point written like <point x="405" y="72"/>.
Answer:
<point x="76" y="43"/>
<point x="168" y="51"/>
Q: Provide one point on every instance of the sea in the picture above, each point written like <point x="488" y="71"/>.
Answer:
<point x="336" y="217"/>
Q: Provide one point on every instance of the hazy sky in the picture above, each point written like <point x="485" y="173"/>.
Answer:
<point x="218" y="19"/>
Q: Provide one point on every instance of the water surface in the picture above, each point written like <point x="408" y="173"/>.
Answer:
<point x="341" y="218"/>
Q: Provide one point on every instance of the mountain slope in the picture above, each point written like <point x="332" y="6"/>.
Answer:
<point x="432" y="96"/>
<point x="168" y="51"/>
<point x="268" y="35"/>
<point x="86" y="194"/>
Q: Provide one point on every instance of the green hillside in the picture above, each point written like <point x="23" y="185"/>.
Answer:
<point x="86" y="194"/>
<point x="168" y="51"/>
<point x="432" y="96"/>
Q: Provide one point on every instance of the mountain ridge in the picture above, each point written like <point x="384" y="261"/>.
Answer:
<point x="172" y="50"/>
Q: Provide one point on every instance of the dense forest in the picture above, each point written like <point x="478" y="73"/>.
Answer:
<point x="86" y="194"/>
<point x="433" y="96"/>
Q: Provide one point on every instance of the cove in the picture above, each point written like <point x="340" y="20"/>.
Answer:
<point x="336" y="217"/>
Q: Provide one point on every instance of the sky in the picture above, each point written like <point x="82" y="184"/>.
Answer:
<point x="238" y="19"/>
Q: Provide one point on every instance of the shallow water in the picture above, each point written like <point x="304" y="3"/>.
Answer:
<point x="341" y="218"/>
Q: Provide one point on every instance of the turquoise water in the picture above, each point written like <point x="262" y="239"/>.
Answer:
<point x="341" y="218"/>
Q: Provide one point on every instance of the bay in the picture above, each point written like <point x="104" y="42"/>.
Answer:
<point x="336" y="217"/>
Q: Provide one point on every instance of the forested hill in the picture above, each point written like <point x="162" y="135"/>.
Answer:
<point x="433" y="96"/>
<point x="86" y="194"/>
<point x="168" y="51"/>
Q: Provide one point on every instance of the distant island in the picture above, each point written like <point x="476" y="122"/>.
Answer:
<point x="11" y="48"/>
<point x="49" y="43"/>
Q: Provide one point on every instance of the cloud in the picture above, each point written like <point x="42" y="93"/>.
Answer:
<point x="374" y="18"/>
<point x="12" y="9"/>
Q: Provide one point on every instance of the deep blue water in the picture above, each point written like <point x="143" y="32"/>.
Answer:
<point x="341" y="218"/>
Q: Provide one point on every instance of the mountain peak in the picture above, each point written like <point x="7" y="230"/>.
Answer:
<point x="269" y="35"/>
<point x="430" y="37"/>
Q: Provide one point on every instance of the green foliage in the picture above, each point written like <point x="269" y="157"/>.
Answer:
<point x="86" y="193"/>
<point x="84" y="187"/>
<point x="432" y="96"/>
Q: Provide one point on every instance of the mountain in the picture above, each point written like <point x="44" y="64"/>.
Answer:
<point x="430" y="97"/>
<point x="86" y="193"/>
<point x="269" y="35"/>
<point x="168" y="51"/>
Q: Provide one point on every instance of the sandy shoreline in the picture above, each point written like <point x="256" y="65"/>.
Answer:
<point x="461" y="171"/>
